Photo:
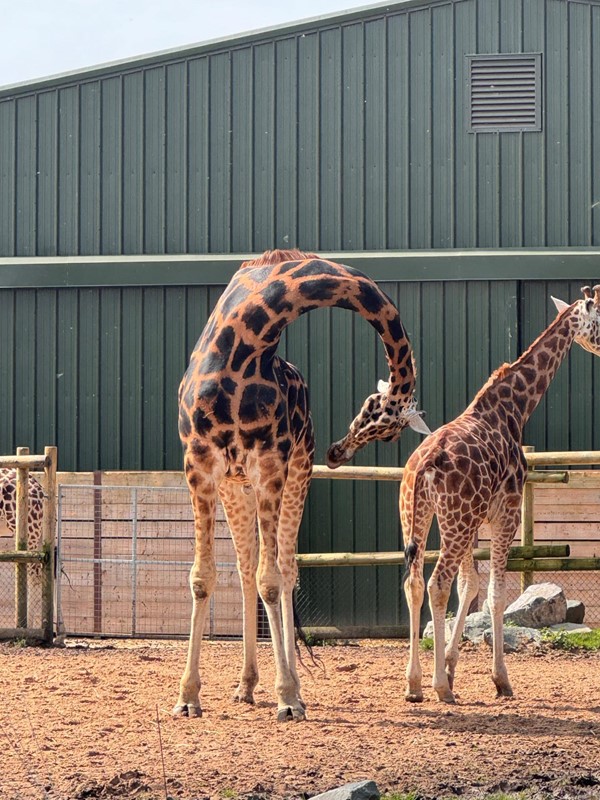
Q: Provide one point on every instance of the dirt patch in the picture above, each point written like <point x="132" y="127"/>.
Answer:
<point x="83" y="722"/>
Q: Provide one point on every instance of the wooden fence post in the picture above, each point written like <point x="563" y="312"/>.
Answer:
<point x="21" y="531"/>
<point x="48" y="544"/>
<point x="527" y="522"/>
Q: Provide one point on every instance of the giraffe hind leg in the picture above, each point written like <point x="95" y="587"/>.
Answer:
<point x="468" y="588"/>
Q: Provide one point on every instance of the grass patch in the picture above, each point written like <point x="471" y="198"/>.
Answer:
<point x="426" y="643"/>
<point x="562" y="640"/>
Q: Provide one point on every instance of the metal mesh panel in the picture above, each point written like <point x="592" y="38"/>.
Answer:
<point x="583" y="586"/>
<point x="8" y="609"/>
<point x="124" y="557"/>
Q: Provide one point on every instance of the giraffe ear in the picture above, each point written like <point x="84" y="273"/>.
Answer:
<point x="418" y="424"/>
<point x="382" y="386"/>
<point x="560" y="304"/>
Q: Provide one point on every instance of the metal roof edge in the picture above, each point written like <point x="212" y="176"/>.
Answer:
<point x="182" y="52"/>
<point x="217" y="269"/>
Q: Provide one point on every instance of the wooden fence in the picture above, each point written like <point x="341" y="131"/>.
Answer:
<point x="561" y="507"/>
<point x="22" y="462"/>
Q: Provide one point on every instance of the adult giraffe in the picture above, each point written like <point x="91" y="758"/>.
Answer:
<point x="247" y="433"/>
<point x="471" y="469"/>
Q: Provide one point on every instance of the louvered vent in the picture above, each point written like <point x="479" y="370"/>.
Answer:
<point x="505" y="93"/>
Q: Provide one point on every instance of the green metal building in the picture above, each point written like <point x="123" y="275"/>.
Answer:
<point x="448" y="148"/>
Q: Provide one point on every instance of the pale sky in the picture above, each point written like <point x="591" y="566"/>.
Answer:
<point x="47" y="37"/>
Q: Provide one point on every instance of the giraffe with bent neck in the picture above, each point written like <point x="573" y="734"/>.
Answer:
<point x="471" y="469"/>
<point x="247" y="433"/>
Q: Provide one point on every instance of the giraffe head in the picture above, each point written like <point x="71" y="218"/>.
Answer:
<point x="586" y="315"/>
<point x="383" y="416"/>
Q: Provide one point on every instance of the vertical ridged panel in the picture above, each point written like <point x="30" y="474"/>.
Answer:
<point x="420" y="135"/>
<point x="352" y="166"/>
<point x="47" y="169"/>
<point x="557" y="123"/>
<point x="8" y="144"/>
<point x="44" y="395"/>
<point x="242" y="137"/>
<point x="67" y="359"/>
<point x="111" y="169"/>
<point x="375" y="106"/>
<point x="133" y="162"/>
<point x="132" y="405"/>
<point x="595" y="159"/>
<point x="198" y="156"/>
<point x="263" y="161"/>
<point x="25" y="378"/>
<point x="330" y="141"/>
<point x="309" y="204"/>
<point x="88" y="372"/>
<point x="110" y="370"/>
<point x="533" y="205"/>
<point x="68" y="176"/>
<point x="398" y="198"/>
<point x="153" y="374"/>
<point x="443" y="126"/>
<point x="286" y="144"/>
<point x="154" y="160"/>
<point x="176" y="157"/>
<point x="580" y="128"/>
<point x="26" y="181"/>
<point x="465" y="145"/>
<point x="219" y="198"/>
<point x="89" y="181"/>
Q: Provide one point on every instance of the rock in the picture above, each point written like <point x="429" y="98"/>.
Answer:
<point x="575" y="611"/>
<point x="428" y="630"/>
<point x="540" y="606"/>
<point x="363" y="790"/>
<point x="570" y="627"/>
<point x="516" y="639"/>
<point x="475" y="626"/>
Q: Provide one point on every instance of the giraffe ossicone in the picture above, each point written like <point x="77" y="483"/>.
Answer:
<point x="247" y="433"/>
<point x="471" y="469"/>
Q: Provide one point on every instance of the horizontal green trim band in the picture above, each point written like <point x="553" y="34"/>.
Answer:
<point x="402" y="265"/>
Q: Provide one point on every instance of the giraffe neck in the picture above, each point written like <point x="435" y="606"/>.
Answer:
<point x="261" y="301"/>
<point x="518" y="387"/>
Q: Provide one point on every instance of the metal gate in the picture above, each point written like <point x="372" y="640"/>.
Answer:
<point x="123" y="560"/>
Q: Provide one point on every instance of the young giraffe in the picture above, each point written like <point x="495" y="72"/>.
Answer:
<point x="471" y="469"/>
<point x="247" y="433"/>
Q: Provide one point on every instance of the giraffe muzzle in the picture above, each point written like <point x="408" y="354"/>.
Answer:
<point x="338" y="455"/>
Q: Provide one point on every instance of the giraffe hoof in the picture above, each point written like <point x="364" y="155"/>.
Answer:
<point x="414" y="697"/>
<point x="243" y="697"/>
<point x="504" y="691"/>
<point x="289" y="714"/>
<point x="187" y="710"/>
<point x="446" y="697"/>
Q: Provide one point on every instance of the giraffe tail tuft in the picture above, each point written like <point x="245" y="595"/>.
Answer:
<point x="410" y="553"/>
<point x="301" y="635"/>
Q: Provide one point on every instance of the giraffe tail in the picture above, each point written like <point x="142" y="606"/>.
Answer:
<point x="301" y="635"/>
<point x="411" y="548"/>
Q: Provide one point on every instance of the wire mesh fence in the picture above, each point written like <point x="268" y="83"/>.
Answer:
<point x="8" y="601"/>
<point x="124" y="556"/>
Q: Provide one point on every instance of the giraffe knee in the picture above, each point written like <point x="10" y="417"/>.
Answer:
<point x="270" y="594"/>
<point x="202" y="587"/>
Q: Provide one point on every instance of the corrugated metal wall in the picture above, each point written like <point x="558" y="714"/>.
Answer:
<point x="340" y="135"/>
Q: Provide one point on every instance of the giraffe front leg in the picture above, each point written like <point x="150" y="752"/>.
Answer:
<point x="239" y="503"/>
<point x="203" y="577"/>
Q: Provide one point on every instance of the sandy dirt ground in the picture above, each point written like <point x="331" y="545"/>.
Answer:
<point x="93" y="720"/>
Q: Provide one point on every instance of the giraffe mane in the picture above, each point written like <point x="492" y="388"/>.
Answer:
<point x="272" y="257"/>
<point x="505" y="369"/>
